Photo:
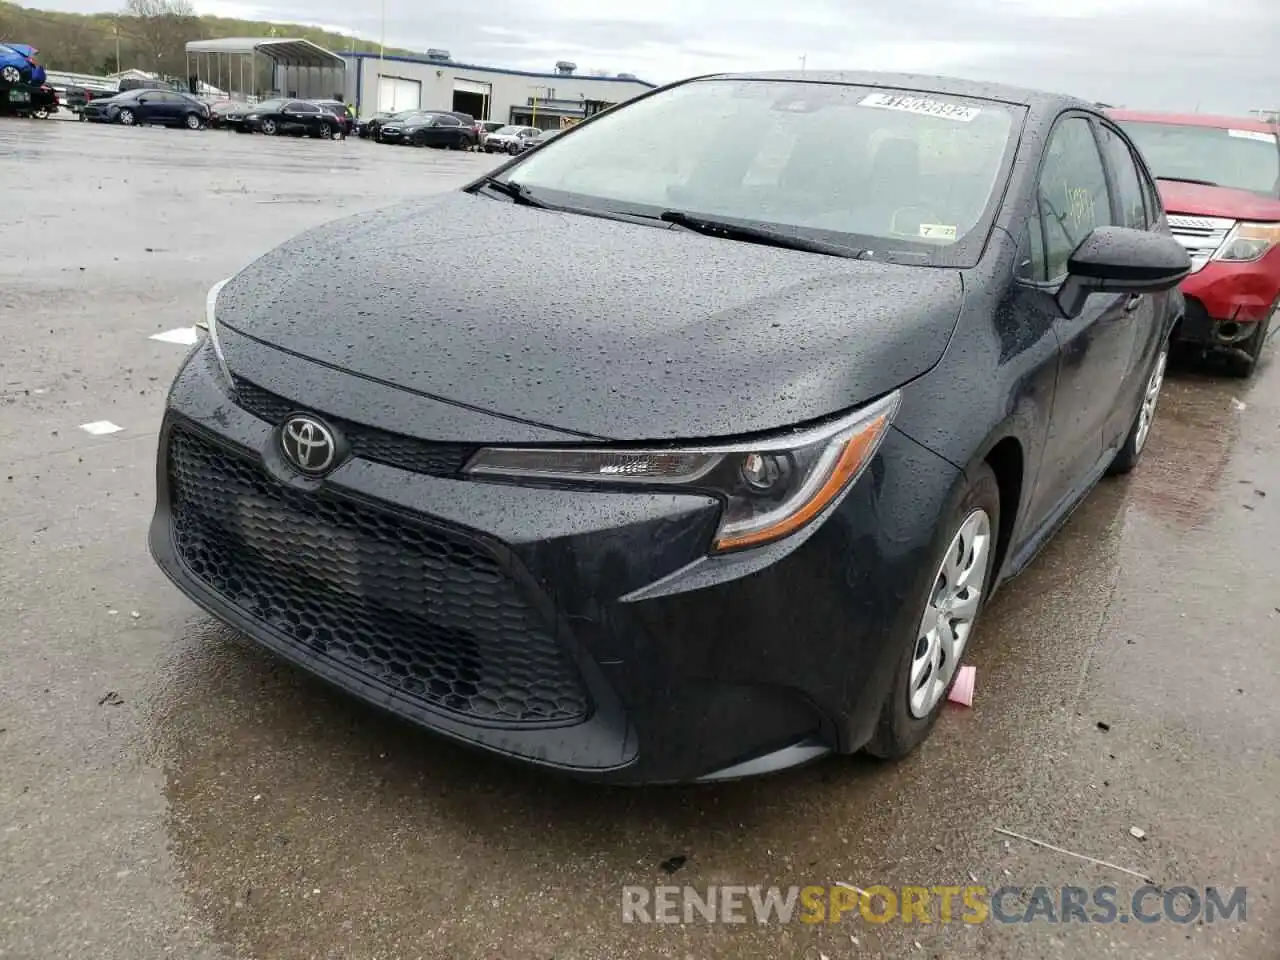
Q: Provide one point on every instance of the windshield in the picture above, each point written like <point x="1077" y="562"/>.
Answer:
<point x="907" y="176"/>
<point x="267" y="105"/>
<point x="1244" y="159"/>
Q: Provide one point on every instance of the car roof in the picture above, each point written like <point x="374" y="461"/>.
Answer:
<point x="1194" y="120"/>
<point x="1038" y="100"/>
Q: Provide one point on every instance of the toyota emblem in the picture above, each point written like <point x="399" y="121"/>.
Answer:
<point x="308" y="445"/>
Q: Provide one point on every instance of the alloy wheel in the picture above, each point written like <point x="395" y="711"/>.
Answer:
<point x="127" y="118"/>
<point x="950" y="614"/>
<point x="326" y="132"/>
<point x="10" y="74"/>
<point x="269" y="127"/>
<point x="193" y="122"/>
<point x="1147" y="413"/>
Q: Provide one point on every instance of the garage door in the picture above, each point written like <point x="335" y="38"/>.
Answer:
<point x="471" y="86"/>
<point x="396" y="94"/>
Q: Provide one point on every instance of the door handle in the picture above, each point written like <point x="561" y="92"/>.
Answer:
<point x="1132" y="302"/>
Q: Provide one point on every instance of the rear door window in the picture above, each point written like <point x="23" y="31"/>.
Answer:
<point x="1124" y="175"/>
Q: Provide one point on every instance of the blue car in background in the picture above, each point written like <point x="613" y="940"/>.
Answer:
<point x="18" y="65"/>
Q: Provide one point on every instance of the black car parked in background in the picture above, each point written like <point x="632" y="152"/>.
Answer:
<point x="148" y="106"/>
<point x="229" y="114"/>
<point x="369" y="129"/>
<point x="832" y="357"/>
<point x="430" y="130"/>
<point x="293" y="118"/>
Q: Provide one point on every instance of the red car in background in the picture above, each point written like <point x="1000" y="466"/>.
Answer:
<point x="1219" y="178"/>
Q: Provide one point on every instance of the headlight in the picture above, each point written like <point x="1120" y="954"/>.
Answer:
<point x="210" y="326"/>
<point x="771" y="488"/>
<point x="1248" y="241"/>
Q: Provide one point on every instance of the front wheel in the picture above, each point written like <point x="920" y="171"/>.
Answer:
<point x="127" y="118"/>
<point x="193" y="121"/>
<point x="269" y="128"/>
<point x="963" y="570"/>
<point x="1128" y="456"/>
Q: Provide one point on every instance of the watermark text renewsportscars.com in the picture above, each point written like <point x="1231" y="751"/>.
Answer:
<point x="969" y="904"/>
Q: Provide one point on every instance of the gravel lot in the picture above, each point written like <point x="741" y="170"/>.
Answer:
<point x="167" y="789"/>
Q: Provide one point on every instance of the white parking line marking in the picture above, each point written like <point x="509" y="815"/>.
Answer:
<point x="186" y="336"/>
<point x="100" y="428"/>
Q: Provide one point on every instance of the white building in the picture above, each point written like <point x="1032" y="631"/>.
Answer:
<point x="436" y="82"/>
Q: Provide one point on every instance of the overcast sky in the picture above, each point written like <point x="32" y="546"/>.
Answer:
<point x="1222" y="56"/>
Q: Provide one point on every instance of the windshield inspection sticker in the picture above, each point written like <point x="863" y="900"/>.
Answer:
<point x="937" y="231"/>
<point x="921" y="105"/>
<point x="1253" y="135"/>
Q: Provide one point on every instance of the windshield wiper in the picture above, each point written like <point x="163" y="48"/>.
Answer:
<point x="516" y="191"/>
<point x="773" y="238"/>
<point x="1205" y="183"/>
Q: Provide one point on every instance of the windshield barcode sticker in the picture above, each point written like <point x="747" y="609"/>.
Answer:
<point x="1253" y="135"/>
<point x="921" y="105"/>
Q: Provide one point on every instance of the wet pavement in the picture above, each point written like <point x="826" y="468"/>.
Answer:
<point x="167" y="789"/>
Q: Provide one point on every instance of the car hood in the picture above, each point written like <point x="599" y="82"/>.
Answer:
<point x="597" y="327"/>
<point x="1197" y="199"/>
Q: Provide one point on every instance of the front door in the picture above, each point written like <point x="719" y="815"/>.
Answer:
<point x="1095" y="348"/>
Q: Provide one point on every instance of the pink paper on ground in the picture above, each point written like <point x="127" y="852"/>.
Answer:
<point x="962" y="690"/>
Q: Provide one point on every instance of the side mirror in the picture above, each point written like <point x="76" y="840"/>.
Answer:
<point x="1121" y="260"/>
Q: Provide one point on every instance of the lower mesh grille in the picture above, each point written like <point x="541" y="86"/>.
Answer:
<point x="425" y="613"/>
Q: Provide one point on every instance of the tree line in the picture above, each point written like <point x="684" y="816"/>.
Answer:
<point x="148" y="35"/>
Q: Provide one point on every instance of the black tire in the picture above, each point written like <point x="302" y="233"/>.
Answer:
<point x="897" y="731"/>
<point x="1243" y="364"/>
<point x="325" y="132"/>
<point x="1128" y="456"/>
<point x="270" y="128"/>
<point x="193" y="121"/>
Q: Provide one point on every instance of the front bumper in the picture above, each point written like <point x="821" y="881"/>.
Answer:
<point x="585" y="631"/>
<point x="1226" y="301"/>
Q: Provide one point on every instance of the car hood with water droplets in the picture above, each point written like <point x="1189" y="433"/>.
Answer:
<point x="599" y="327"/>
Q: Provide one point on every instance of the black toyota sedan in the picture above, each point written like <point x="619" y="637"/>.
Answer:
<point x="704" y="444"/>
<point x="143" y="107"/>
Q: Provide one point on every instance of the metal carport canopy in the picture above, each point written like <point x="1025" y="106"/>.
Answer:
<point x="293" y="53"/>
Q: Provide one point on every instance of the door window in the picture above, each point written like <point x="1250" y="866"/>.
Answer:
<point x="1128" y="186"/>
<point x="1072" y="193"/>
<point x="299" y="107"/>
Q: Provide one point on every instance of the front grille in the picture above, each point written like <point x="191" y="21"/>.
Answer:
<point x="1202" y="236"/>
<point x="428" y="614"/>
<point x="368" y="443"/>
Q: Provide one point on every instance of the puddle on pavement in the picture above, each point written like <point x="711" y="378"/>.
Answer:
<point x="1196" y="428"/>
